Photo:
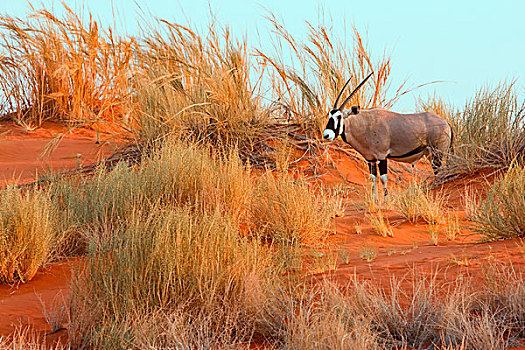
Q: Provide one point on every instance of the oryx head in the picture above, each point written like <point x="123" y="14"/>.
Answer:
<point x="334" y="127"/>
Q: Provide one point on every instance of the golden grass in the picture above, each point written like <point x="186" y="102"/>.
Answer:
<point x="286" y="209"/>
<point x="27" y="233"/>
<point x="64" y="69"/>
<point x="501" y="214"/>
<point x="380" y="224"/>
<point x="416" y="203"/>
<point x="27" y="339"/>
<point x="164" y="260"/>
<point x="364" y="316"/>
<point x="198" y="86"/>
<point x="453" y="227"/>
<point x="177" y="253"/>
<point x="489" y="133"/>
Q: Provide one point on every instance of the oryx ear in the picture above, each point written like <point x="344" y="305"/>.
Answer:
<point x="355" y="109"/>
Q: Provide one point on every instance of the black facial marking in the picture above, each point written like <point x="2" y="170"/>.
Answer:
<point x="355" y="109"/>
<point x="419" y="149"/>
<point x="330" y="125"/>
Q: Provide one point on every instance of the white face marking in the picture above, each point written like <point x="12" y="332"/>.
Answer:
<point x="330" y="134"/>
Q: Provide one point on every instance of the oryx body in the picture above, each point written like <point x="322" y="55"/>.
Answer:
<point x="379" y="135"/>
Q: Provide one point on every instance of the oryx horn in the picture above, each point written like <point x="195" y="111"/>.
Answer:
<point x="341" y="92"/>
<point x="355" y="90"/>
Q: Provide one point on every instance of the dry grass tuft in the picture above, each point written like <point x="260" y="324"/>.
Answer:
<point x="368" y="254"/>
<point x="501" y="214"/>
<point x="307" y="87"/>
<point x="489" y="133"/>
<point x="169" y="262"/>
<point x="415" y="203"/>
<point x="27" y="339"/>
<point x="380" y="224"/>
<point x="453" y="228"/>
<point x="27" y="233"/>
<point x="286" y="209"/>
<point x="199" y="87"/>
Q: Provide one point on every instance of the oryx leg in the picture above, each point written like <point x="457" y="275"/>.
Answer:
<point x="372" y="166"/>
<point x="383" y="176"/>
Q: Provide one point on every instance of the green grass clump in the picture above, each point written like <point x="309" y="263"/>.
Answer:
<point x="501" y="214"/>
<point x="27" y="233"/>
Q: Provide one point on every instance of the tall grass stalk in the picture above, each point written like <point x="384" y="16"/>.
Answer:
<point x="62" y="68"/>
<point x="307" y="86"/>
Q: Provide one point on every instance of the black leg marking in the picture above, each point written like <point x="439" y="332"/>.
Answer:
<point x="383" y="169"/>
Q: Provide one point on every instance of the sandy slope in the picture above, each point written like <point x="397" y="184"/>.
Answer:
<point x="23" y="153"/>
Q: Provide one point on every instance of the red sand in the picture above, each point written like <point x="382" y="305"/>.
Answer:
<point x="408" y="250"/>
<point x="23" y="153"/>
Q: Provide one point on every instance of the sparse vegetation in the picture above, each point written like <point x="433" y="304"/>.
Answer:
<point x="368" y="254"/>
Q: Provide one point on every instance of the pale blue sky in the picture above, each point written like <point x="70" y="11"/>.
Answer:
<point x="468" y="44"/>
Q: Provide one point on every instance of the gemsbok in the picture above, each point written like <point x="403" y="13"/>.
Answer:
<point x="378" y="135"/>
